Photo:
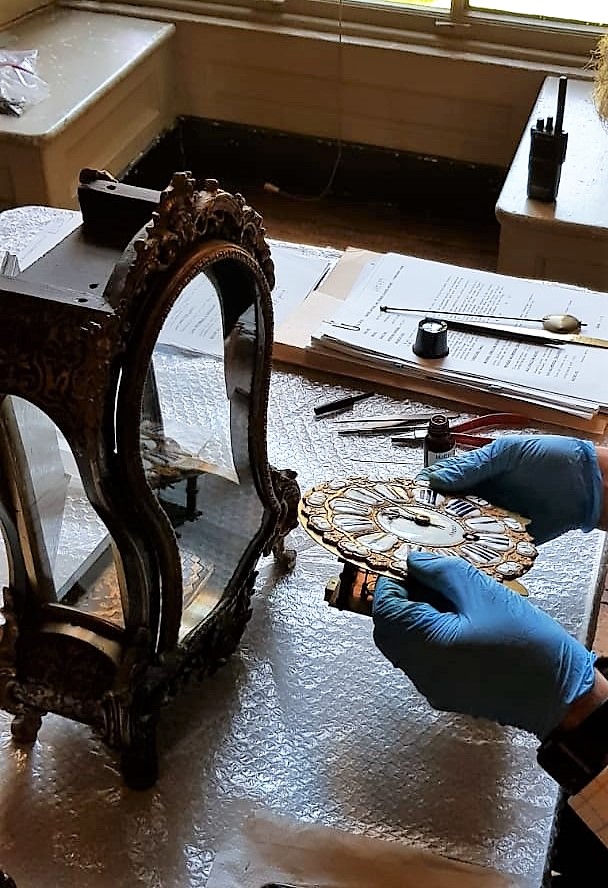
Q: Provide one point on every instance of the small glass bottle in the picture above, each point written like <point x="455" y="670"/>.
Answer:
<point x="439" y="441"/>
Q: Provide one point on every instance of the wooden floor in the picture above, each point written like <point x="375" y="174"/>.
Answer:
<point x="341" y="224"/>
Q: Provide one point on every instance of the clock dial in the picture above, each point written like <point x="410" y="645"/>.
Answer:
<point x="376" y="524"/>
<point x="420" y="526"/>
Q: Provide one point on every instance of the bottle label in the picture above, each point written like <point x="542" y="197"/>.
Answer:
<point x="430" y="457"/>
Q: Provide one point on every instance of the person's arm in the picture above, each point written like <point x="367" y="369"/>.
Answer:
<point x="575" y="754"/>
<point x="490" y="653"/>
<point x="584" y="705"/>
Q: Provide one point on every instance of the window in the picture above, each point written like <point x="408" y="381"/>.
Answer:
<point x="586" y="12"/>
<point x="553" y="32"/>
<point x="592" y="12"/>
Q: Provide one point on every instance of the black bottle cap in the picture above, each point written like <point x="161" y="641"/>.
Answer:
<point x="439" y="425"/>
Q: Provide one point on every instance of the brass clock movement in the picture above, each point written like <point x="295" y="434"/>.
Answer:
<point x="374" y="525"/>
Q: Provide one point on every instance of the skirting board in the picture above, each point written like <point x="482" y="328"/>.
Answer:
<point x="241" y="156"/>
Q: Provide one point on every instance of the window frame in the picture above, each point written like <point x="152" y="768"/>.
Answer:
<point x="468" y="31"/>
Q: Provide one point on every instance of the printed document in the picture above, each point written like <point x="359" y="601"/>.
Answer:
<point x="194" y="323"/>
<point x="569" y="377"/>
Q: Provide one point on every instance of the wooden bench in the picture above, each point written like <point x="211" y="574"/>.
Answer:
<point x="110" y="95"/>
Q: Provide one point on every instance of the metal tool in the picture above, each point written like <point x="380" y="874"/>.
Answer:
<point x="460" y="430"/>
<point x="553" y="323"/>
<point x="373" y="425"/>
<point x="524" y="334"/>
<point x="431" y="339"/>
<point x="341" y="404"/>
<point x="9" y="264"/>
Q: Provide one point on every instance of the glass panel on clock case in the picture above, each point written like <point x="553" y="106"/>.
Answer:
<point x="194" y="433"/>
<point x="71" y="555"/>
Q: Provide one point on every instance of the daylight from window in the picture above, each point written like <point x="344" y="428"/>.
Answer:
<point x="583" y="11"/>
<point x="588" y="11"/>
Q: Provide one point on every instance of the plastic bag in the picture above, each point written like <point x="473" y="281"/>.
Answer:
<point x="20" y="85"/>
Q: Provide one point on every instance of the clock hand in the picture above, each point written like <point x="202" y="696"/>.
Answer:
<point x="421" y="520"/>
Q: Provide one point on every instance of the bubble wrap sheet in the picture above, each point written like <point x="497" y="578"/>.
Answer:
<point x="306" y="719"/>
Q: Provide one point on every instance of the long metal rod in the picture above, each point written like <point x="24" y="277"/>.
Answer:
<point x="524" y="334"/>
<point x="466" y="314"/>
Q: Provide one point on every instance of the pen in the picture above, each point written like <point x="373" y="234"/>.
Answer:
<point x="340" y="404"/>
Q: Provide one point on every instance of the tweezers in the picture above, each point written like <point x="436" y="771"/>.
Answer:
<point x="369" y="425"/>
<point x="293" y="885"/>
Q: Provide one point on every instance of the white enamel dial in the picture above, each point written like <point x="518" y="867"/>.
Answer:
<point x="420" y="526"/>
<point x="376" y="524"/>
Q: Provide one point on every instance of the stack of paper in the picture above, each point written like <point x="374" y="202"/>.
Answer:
<point x="571" y="379"/>
<point x="327" y="317"/>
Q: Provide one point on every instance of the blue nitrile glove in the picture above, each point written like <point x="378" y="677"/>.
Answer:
<point x="494" y="655"/>
<point x="555" y="481"/>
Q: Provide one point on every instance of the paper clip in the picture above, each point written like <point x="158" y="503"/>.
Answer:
<point x="355" y="327"/>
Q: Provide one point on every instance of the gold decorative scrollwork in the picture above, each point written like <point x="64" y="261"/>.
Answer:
<point x="186" y="217"/>
<point x="375" y="525"/>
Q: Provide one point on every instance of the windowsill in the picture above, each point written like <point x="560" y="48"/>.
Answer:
<point x="273" y="19"/>
<point x="106" y="55"/>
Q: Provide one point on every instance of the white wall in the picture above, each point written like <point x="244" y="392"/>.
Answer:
<point x="395" y="96"/>
<point x="276" y="71"/>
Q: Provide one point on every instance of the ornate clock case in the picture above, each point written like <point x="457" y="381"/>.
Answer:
<point x="131" y="540"/>
<point x="373" y="525"/>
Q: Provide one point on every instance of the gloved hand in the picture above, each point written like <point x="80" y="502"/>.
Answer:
<point x="555" y="481"/>
<point x="494" y="655"/>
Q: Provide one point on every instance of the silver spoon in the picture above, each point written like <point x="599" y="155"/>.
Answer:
<point x="553" y="323"/>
